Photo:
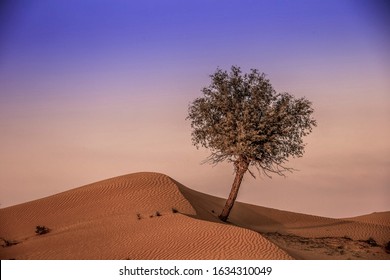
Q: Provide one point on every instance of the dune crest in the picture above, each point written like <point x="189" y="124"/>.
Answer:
<point x="137" y="216"/>
<point x="151" y="216"/>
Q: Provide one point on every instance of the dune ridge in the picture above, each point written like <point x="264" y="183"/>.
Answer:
<point x="137" y="216"/>
<point x="149" y="215"/>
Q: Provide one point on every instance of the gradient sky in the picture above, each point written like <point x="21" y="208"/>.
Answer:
<point x="96" y="89"/>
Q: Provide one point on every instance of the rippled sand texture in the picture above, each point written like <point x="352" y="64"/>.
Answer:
<point x="306" y="236"/>
<point x="136" y="216"/>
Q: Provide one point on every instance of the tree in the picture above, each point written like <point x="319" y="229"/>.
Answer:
<point x="242" y="120"/>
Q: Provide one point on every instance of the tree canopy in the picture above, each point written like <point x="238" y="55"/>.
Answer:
<point x="242" y="119"/>
<point x="241" y="115"/>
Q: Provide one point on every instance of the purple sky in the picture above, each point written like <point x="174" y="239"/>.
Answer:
<point x="95" y="89"/>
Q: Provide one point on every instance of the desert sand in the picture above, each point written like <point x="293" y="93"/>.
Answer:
<point x="151" y="216"/>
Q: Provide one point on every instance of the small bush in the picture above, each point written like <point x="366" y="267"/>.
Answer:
<point x="371" y="241"/>
<point x="174" y="211"/>
<point x="41" y="230"/>
<point x="158" y="214"/>
<point x="8" y="243"/>
<point x="387" y="247"/>
<point x="139" y="216"/>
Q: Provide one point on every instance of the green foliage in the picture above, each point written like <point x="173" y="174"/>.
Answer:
<point x="241" y="118"/>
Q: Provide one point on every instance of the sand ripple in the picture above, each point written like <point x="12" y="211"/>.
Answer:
<point x="127" y="217"/>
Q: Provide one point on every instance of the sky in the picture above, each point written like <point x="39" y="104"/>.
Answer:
<point x="96" y="89"/>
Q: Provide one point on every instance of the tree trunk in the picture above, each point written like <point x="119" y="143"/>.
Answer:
<point x="241" y="167"/>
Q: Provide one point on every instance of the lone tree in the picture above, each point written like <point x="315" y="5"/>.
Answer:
<point x="242" y="120"/>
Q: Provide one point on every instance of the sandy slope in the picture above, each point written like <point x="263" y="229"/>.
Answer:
<point x="305" y="236"/>
<point x="151" y="216"/>
<point x="127" y="217"/>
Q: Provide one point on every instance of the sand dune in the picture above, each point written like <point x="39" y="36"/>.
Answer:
<point x="305" y="236"/>
<point x="151" y="216"/>
<point x="126" y="217"/>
